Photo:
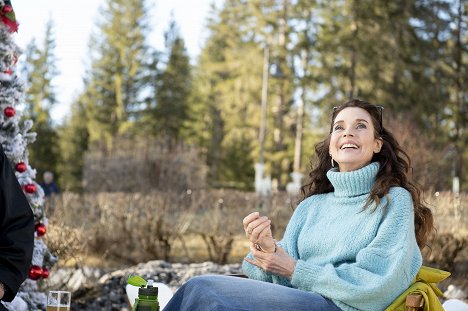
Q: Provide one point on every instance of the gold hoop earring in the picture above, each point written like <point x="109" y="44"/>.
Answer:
<point x="332" y="162"/>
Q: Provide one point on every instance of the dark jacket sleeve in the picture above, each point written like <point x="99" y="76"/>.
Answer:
<point x="16" y="230"/>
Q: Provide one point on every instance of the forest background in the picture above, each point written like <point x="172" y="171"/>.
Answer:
<point x="157" y="147"/>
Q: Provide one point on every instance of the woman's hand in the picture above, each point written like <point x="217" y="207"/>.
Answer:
<point x="279" y="263"/>
<point x="258" y="229"/>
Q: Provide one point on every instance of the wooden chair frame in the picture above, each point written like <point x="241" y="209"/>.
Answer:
<point x="414" y="302"/>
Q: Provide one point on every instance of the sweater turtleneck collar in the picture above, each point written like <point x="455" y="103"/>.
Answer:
<point x="354" y="183"/>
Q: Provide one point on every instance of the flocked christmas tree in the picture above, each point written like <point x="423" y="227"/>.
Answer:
<point x="15" y="138"/>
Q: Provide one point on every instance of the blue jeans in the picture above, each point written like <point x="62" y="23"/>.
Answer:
<point x="218" y="292"/>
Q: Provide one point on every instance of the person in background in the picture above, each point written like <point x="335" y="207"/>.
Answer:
<point x="353" y="243"/>
<point x="49" y="185"/>
<point x="16" y="232"/>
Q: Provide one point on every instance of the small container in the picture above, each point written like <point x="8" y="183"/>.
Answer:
<point x="147" y="298"/>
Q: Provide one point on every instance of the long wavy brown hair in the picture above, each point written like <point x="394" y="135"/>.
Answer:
<point x="395" y="167"/>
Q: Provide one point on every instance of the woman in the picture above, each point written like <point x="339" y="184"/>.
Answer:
<point x="354" y="241"/>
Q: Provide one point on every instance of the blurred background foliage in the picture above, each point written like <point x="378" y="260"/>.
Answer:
<point x="409" y="56"/>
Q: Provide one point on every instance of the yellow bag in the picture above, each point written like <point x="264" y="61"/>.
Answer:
<point x="424" y="284"/>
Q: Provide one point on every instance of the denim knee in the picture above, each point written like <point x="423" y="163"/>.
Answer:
<point x="201" y="281"/>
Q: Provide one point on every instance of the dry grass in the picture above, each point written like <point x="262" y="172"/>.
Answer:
<point x="134" y="227"/>
<point x="450" y="212"/>
<point x="113" y="230"/>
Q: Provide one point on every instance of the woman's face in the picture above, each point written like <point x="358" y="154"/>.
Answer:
<point x="352" y="142"/>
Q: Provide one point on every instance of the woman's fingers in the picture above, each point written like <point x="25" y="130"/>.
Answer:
<point x="252" y="261"/>
<point x="253" y="227"/>
<point x="279" y="263"/>
<point x="257" y="231"/>
<point x="249" y="218"/>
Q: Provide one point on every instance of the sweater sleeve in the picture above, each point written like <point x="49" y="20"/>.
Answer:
<point x="380" y="272"/>
<point x="16" y="231"/>
<point x="294" y="225"/>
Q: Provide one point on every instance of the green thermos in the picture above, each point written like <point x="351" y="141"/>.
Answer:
<point x="147" y="298"/>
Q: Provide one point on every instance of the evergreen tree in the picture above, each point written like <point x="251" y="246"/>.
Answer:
<point x="73" y="145"/>
<point x="226" y="103"/>
<point x="116" y="73"/>
<point x="40" y="70"/>
<point x="396" y="54"/>
<point x="304" y="24"/>
<point x="452" y="82"/>
<point x="146" y="116"/>
<point x="274" y="22"/>
<point x="390" y="53"/>
<point x="15" y="137"/>
<point x="229" y="87"/>
<point x="171" y="111"/>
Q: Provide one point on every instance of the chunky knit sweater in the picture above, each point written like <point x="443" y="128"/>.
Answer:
<point x="361" y="259"/>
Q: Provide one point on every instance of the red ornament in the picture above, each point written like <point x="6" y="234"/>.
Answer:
<point x="7" y="9"/>
<point x="30" y="188"/>
<point x="35" y="272"/>
<point x="41" y="229"/>
<point x="21" y="167"/>
<point x="45" y="273"/>
<point x="8" y="71"/>
<point x="9" y="112"/>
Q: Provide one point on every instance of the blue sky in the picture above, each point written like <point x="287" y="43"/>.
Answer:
<point x="74" y="21"/>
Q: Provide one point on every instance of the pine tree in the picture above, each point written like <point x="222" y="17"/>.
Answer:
<point x="40" y="70"/>
<point x="174" y="85"/>
<point x="116" y="73"/>
<point x="15" y="137"/>
<point x="73" y="144"/>
<point x="397" y="54"/>
<point x="275" y="19"/>
<point x="446" y="28"/>
<point x="229" y="83"/>
<point x="304" y="24"/>
<point x="227" y="93"/>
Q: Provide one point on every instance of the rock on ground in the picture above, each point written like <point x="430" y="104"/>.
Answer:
<point x="108" y="294"/>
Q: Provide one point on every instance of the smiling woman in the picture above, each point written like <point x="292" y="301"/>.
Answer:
<point x="354" y="241"/>
<point x="353" y="139"/>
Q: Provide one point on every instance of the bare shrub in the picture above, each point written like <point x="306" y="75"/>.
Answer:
<point x="65" y="242"/>
<point x="450" y="212"/>
<point x="450" y="241"/>
<point x="220" y="214"/>
<point x="430" y="164"/>
<point x="68" y="230"/>
<point x="135" y="227"/>
<point x="445" y="250"/>
<point x="142" y="165"/>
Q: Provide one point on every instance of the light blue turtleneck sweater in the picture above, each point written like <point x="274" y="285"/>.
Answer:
<point x="360" y="259"/>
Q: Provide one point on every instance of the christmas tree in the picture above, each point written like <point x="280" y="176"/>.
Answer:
<point x="15" y="138"/>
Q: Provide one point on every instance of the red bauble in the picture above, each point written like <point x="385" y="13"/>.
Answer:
<point x="9" y="112"/>
<point x="45" y="273"/>
<point x="8" y="71"/>
<point x="7" y="9"/>
<point x="41" y="229"/>
<point x="30" y="188"/>
<point x="21" y="167"/>
<point x="35" y="272"/>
